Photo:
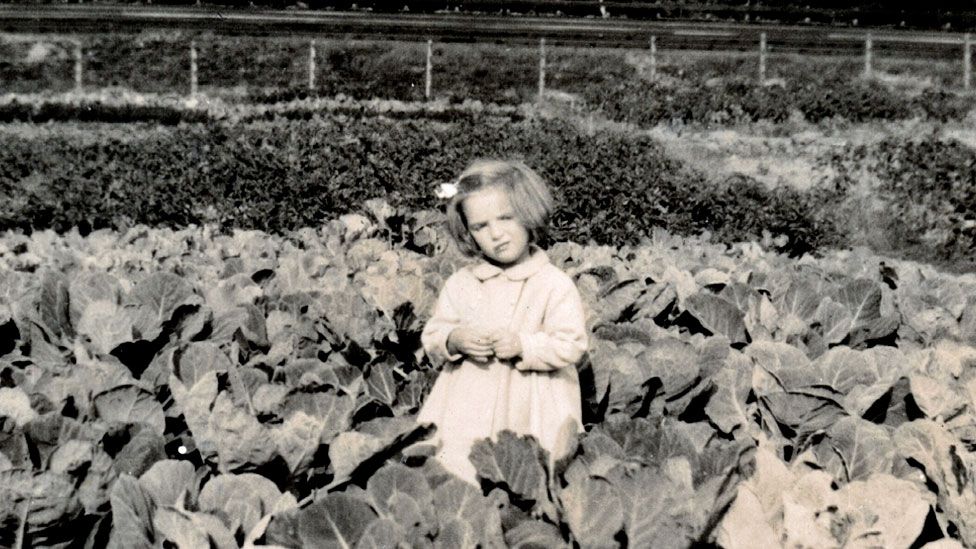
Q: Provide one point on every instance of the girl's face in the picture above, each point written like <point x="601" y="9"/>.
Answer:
<point x="494" y="226"/>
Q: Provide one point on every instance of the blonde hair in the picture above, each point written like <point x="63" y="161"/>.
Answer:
<point x="529" y="195"/>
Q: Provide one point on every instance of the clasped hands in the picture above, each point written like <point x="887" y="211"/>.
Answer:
<point x="480" y="343"/>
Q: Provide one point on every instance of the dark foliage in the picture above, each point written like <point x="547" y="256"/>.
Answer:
<point x="282" y="175"/>
<point x="926" y="187"/>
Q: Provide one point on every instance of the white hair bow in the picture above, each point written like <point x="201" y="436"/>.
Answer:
<point x="446" y="190"/>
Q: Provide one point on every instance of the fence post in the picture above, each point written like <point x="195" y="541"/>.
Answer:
<point x="762" y="58"/>
<point x="542" y="68"/>
<point x="868" y="45"/>
<point x="967" y="70"/>
<point x="311" y="65"/>
<point x="428" y="74"/>
<point x="193" y="68"/>
<point x="653" y="56"/>
<point x="78" y="66"/>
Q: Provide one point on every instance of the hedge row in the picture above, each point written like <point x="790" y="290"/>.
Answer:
<point x="281" y="175"/>
<point x="170" y="111"/>
<point x="733" y="100"/>
<point x="96" y="111"/>
<point x="644" y="105"/>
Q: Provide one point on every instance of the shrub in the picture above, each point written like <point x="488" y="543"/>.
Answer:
<point x="930" y="185"/>
<point x="923" y="191"/>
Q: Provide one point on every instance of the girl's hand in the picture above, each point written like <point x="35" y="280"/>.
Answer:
<point x="507" y="345"/>
<point x="471" y="341"/>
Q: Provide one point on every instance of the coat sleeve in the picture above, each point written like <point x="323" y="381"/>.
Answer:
<point x="444" y="319"/>
<point x="562" y="340"/>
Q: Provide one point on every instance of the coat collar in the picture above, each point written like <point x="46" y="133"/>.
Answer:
<point x="484" y="270"/>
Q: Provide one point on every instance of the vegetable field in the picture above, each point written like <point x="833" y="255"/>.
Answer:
<point x="191" y="387"/>
<point x="211" y="303"/>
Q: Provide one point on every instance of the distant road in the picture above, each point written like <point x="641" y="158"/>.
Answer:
<point x="477" y="28"/>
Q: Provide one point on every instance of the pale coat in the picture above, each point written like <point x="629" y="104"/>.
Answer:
<point x="535" y="394"/>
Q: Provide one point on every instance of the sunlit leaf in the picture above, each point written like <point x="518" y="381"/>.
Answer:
<point x="199" y="359"/>
<point x="132" y="513"/>
<point x="381" y="534"/>
<point x="718" y="316"/>
<point x="533" y="534"/>
<point x="727" y="407"/>
<point x="176" y="527"/>
<point x="243" y="498"/>
<point x="855" y="449"/>
<point x="130" y="404"/>
<point x="167" y="481"/>
<point x="593" y="511"/>
<point x="381" y="385"/>
<point x="297" y="440"/>
<point x="459" y="502"/>
<point x="154" y="300"/>
<point x="106" y="324"/>
<point x="673" y="361"/>
<point x="336" y="520"/>
<point x="516" y="462"/>
<point x="647" y="500"/>
<point x="15" y="404"/>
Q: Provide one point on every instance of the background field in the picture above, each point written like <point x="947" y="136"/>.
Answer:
<point x="272" y="69"/>
<point x="817" y="152"/>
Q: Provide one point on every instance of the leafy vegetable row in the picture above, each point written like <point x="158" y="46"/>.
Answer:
<point x="226" y="389"/>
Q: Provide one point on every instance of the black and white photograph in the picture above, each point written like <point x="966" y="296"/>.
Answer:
<point x="451" y="274"/>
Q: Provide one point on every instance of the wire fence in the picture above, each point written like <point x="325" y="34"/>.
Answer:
<point x="270" y="62"/>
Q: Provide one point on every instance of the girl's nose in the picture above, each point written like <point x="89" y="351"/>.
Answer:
<point x="495" y="230"/>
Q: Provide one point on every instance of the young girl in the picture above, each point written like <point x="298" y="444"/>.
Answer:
<point x="508" y="330"/>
